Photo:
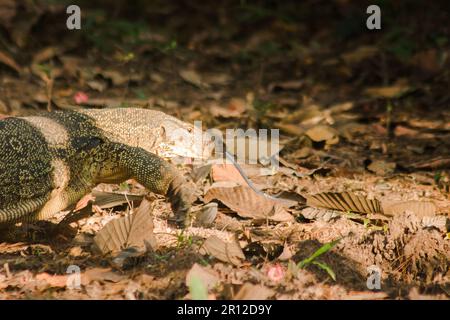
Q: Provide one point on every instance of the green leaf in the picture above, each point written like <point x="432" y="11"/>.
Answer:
<point x="323" y="249"/>
<point x="327" y="268"/>
<point x="198" y="289"/>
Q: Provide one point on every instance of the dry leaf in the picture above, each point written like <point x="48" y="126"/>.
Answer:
<point x="235" y="108"/>
<point x="117" y="78"/>
<point x="419" y="208"/>
<point x="227" y="172"/>
<point x="320" y="214"/>
<point x="207" y="215"/>
<point x="438" y="222"/>
<point x="229" y="252"/>
<point x="435" y="163"/>
<point x="359" y="54"/>
<point x="100" y="274"/>
<point x="253" y="292"/>
<point x="208" y="277"/>
<point x="200" y="173"/>
<point x="381" y="167"/>
<point x="248" y="204"/>
<point x="286" y="85"/>
<point x="71" y="65"/>
<point x="133" y="230"/>
<point x="366" y="295"/>
<point x="46" y="54"/>
<point x="323" y="133"/>
<point x="97" y="85"/>
<point x="7" y="60"/>
<point x="106" y="200"/>
<point x="395" y="91"/>
<point x="220" y="79"/>
<point x="193" y="77"/>
<point x="345" y="201"/>
<point x="56" y="281"/>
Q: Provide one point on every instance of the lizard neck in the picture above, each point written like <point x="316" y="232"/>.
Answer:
<point x="132" y="126"/>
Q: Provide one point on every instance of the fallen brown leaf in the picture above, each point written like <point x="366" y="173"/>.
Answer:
<point x="390" y="92"/>
<point x="209" y="277"/>
<point x="100" y="274"/>
<point x="56" y="281"/>
<point x="247" y="203"/>
<point x="419" y="208"/>
<point x="323" y="133"/>
<point x="359" y="54"/>
<point x="133" y="230"/>
<point x="226" y="172"/>
<point x="206" y="215"/>
<point x="381" y="167"/>
<point x="229" y="252"/>
<point x="345" y="201"/>
<point x="193" y="77"/>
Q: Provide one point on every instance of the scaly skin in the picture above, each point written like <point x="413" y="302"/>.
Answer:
<point x="49" y="162"/>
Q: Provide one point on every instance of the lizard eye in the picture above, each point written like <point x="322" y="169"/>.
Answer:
<point x="190" y="130"/>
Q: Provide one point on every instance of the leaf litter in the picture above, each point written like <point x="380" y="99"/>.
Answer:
<point x="338" y="107"/>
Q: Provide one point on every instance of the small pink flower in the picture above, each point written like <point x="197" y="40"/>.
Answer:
<point x="275" y="273"/>
<point x="80" y="97"/>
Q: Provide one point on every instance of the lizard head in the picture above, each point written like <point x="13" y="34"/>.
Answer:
<point x="183" y="139"/>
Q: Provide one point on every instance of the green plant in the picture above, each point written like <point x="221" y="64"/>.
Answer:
<point x="312" y="259"/>
<point x="262" y="107"/>
<point x="184" y="240"/>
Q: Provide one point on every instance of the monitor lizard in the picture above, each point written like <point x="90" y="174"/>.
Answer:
<point x="50" y="161"/>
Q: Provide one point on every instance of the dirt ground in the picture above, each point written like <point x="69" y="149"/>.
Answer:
<point x="360" y="112"/>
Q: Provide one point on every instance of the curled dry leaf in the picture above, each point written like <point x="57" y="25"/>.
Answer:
<point x="229" y="252"/>
<point x="133" y="230"/>
<point x="248" y="204"/>
<point x="206" y="215"/>
<point x="345" y="201"/>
